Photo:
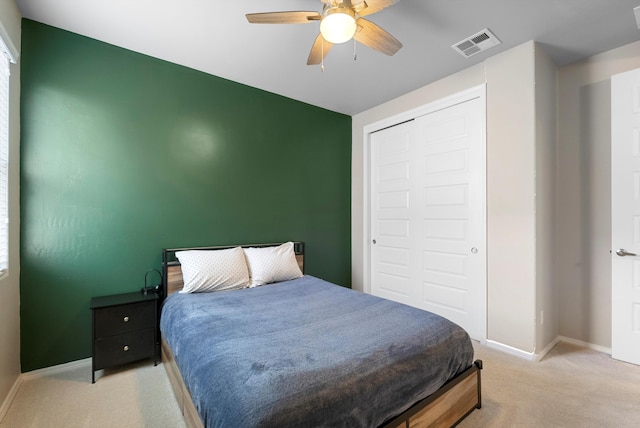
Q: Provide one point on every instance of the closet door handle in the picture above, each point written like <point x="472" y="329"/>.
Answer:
<point x="622" y="253"/>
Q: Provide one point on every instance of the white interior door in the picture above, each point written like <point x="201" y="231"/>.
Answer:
<point x="428" y="216"/>
<point x="625" y="216"/>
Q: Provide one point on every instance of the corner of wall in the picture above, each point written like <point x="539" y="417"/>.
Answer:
<point x="511" y="200"/>
<point x="546" y="198"/>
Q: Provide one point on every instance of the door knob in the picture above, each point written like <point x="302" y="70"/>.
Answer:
<point x="622" y="253"/>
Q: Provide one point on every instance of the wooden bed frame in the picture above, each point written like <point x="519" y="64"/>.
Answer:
<point x="444" y="408"/>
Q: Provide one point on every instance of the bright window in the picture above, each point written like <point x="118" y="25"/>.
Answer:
<point x="5" y="59"/>
<point x="4" y="163"/>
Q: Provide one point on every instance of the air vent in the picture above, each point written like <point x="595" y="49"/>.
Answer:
<point x="481" y="41"/>
<point x="636" y="12"/>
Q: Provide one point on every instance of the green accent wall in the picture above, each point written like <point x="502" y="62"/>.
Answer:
<point x="123" y="155"/>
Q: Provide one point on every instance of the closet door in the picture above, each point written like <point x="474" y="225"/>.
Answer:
<point x="392" y="222"/>
<point x="451" y="274"/>
<point x="428" y="214"/>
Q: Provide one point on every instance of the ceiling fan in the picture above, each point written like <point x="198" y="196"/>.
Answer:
<point x="340" y="21"/>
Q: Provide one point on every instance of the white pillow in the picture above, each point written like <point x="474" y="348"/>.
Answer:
<point x="272" y="264"/>
<point x="213" y="270"/>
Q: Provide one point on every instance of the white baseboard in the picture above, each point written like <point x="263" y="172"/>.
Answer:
<point x="577" y="342"/>
<point x="538" y="356"/>
<point x="530" y="356"/>
<point x="511" y="350"/>
<point x="61" y="368"/>
<point x="10" y="397"/>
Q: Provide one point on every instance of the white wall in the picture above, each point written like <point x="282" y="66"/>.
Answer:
<point x="511" y="198"/>
<point x="584" y="194"/>
<point x="511" y="187"/>
<point x="546" y="198"/>
<point x="10" y="285"/>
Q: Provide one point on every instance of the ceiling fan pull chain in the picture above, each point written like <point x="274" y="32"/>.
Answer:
<point x="355" y="54"/>
<point x="322" y="52"/>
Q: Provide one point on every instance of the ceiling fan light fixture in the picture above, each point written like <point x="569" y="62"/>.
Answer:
<point x="338" y="24"/>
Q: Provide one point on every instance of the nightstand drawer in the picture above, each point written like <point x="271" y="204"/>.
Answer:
<point x="116" y="320"/>
<point x="125" y="348"/>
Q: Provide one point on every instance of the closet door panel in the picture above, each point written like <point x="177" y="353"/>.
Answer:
<point x="428" y="219"/>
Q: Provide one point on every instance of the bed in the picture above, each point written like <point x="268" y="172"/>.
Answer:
<point x="304" y="352"/>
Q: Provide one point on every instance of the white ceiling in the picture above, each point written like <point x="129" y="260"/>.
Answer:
<point x="213" y="36"/>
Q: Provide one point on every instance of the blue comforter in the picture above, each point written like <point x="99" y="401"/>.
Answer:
<point x="306" y="353"/>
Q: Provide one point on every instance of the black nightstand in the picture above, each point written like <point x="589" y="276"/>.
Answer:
<point x="125" y="329"/>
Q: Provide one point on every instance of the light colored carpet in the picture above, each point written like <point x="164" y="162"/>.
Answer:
<point x="570" y="387"/>
<point x="137" y="395"/>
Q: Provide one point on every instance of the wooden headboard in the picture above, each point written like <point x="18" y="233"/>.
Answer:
<point x="172" y="272"/>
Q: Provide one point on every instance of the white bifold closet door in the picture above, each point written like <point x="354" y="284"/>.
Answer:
<point x="428" y="216"/>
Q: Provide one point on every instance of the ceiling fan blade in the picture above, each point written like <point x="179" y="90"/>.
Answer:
<point x="319" y="50"/>
<point x="374" y="6"/>
<point x="369" y="34"/>
<point x="294" y="17"/>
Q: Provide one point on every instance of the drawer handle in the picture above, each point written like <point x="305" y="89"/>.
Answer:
<point x="126" y="319"/>
<point x="126" y="348"/>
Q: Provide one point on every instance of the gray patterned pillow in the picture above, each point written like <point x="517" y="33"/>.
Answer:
<point x="213" y="270"/>
<point x="272" y="264"/>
